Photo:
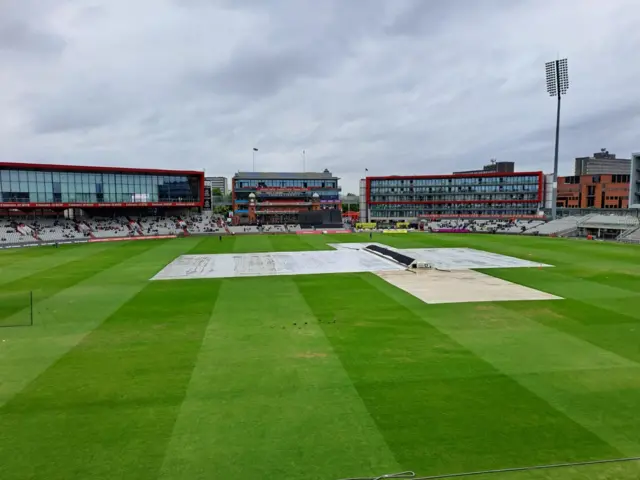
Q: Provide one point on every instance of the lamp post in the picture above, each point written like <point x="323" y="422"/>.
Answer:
<point x="557" y="85"/>
<point x="254" y="158"/>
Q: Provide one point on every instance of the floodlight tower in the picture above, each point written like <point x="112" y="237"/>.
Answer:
<point x="557" y="85"/>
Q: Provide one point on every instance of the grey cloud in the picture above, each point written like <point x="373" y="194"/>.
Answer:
<point x="426" y="17"/>
<point x="395" y="86"/>
<point x="23" y="29"/>
<point x="22" y="38"/>
<point x="70" y="118"/>
<point x="259" y="73"/>
<point x="265" y="67"/>
<point x="84" y="108"/>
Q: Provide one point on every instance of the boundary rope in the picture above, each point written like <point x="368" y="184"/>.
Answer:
<point x="412" y="475"/>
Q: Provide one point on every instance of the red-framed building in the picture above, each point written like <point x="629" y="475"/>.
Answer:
<point x="28" y="186"/>
<point x="464" y="195"/>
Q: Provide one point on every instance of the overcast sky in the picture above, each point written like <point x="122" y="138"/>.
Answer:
<point x="398" y="86"/>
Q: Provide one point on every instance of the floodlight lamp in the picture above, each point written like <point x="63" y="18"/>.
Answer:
<point x="551" y="78"/>
<point x="557" y="77"/>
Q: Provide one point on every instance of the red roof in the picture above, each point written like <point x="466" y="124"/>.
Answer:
<point x="78" y="168"/>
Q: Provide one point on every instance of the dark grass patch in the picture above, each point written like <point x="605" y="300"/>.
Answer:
<point x="447" y="409"/>
<point x="107" y="408"/>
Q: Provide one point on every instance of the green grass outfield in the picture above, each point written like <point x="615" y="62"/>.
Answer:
<point x="123" y="378"/>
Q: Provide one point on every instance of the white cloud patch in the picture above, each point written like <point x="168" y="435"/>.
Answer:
<point x="394" y="86"/>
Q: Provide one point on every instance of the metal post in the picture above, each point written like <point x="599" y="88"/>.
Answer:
<point x="554" y="196"/>
<point x="557" y="85"/>
<point x="254" y="160"/>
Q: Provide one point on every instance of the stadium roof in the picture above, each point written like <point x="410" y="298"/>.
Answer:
<point x="81" y="168"/>
<point x="286" y="175"/>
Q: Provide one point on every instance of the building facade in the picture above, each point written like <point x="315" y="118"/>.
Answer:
<point x="277" y="198"/>
<point x="403" y="198"/>
<point x="219" y="183"/>
<point x="497" y="167"/>
<point x="364" y="211"/>
<point x="601" y="163"/>
<point x="30" y="186"/>
<point x="594" y="191"/>
<point x="634" y="184"/>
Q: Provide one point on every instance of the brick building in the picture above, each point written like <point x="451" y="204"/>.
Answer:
<point x="594" y="191"/>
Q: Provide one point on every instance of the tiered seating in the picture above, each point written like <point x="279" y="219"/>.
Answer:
<point x="158" y="226"/>
<point x="203" y="224"/>
<point x="50" y="230"/>
<point x="633" y="236"/>
<point x="10" y="235"/>
<point x="109" y="227"/>
<point x="612" y="222"/>
<point x="555" y="227"/>
<point x="486" y="226"/>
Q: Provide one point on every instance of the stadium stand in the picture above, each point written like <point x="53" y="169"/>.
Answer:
<point x="62" y="229"/>
<point x="631" y="236"/>
<point x="611" y="222"/>
<point x="560" y="226"/>
<point x="50" y="230"/>
<point x="620" y="227"/>
<point x="486" y="226"/>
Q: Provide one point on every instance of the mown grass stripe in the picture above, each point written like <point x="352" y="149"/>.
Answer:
<point x="563" y="370"/>
<point x="440" y="407"/>
<point x="269" y="399"/>
<point x="212" y="244"/>
<point x="23" y="266"/>
<point x="106" y="409"/>
<point x="12" y="256"/>
<point x="62" y="320"/>
<point x="14" y="296"/>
